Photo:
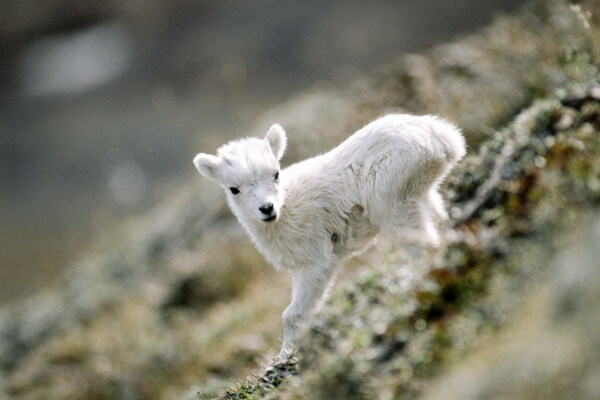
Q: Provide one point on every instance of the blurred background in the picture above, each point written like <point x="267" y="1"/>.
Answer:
<point x="104" y="104"/>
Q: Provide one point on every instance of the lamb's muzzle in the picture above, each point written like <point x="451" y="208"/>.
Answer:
<point x="267" y="209"/>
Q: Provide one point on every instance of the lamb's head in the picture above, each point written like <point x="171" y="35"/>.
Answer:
<point x="248" y="170"/>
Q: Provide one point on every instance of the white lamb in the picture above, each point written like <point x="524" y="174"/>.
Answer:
<point x="383" y="179"/>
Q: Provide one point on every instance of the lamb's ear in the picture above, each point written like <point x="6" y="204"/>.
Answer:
<point x="209" y="166"/>
<point x="277" y="140"/>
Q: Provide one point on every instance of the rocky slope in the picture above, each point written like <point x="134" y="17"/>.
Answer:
<point x="179" y="304"/>
<point x="515" y="284"/>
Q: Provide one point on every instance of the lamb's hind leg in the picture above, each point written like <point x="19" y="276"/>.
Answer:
<point x="308" y="287"/>
<point x="412" y="225"/>
<point x="436" y="203"/>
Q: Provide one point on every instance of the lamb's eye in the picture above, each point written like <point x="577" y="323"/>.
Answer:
<point x="234" y="190"/>
<point x="276" y="177"/>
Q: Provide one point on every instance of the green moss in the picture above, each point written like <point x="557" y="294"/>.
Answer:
<point x="257" y="386"/>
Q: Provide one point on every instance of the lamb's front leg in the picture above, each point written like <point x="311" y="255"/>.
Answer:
<point x="308" y="287"/>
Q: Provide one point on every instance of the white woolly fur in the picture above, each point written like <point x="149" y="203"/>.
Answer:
<point x="382" y="180"/>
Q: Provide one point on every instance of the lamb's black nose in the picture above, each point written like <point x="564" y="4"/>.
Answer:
<point x="266" y="209"/>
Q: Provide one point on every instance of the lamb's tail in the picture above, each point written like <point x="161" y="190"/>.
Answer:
<point x="451" y="139"/>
